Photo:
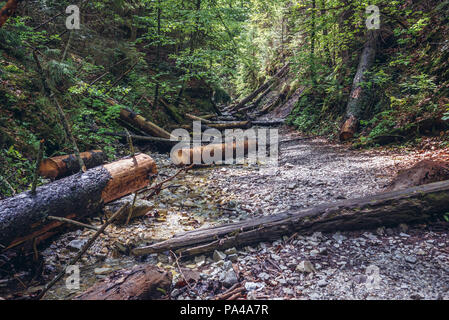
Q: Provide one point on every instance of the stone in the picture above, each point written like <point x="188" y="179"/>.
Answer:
<point x="219" y="256"/>
<point x="254" y="286"/>
<point x="264" y="276"/>
<point x="339" y="237"/>
<point x="411" y="259"/>
<point x="102" y="271"/>
<point x="231" y="251"/>
<point x="305" y="267"/>
<point x="229" y="278"/>
<point x="233" y="257"/>
<point x="77" y="244"/>
<point x="322" y="283"/>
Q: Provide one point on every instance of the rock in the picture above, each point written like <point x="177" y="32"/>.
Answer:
<point x="314" y="253"/>
<point x="254" y="286"/>
<point x="292" y="186"/>
<point x="264" y="276"/>
<point x="141" y="208"/>
<point x="200" y="260"/>
<point x="102" y="271"/>
<point x="360" y="278"/>
<point x="227" y="265"/>
<point x="305" y="267"/>
<point x="411" y="259"/>
<point x="77" y="244"/>
<point x="230" y="251"/>
<point x="275" y="257"/>
<point x="322" y="283"/>
<point x="233" y="257"/>
<point x="339" y="237"/>
<point x="421" y="252"/>
<point x="229" y="278"/>
<point x="219" y="256"/>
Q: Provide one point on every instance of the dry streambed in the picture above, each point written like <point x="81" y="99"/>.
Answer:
<point x="384" y="263"/>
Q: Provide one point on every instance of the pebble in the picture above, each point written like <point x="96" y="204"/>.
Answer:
<point x="218" y="256"/>
<point x="305" y="267"/>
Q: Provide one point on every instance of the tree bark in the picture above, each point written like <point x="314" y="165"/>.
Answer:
<point x="7" y="11"/>
<point x="356" y="98"/>
<point x="412" y="205"/>
<point x="143" y="124"/>
<point x="62" y="166"/>
<point x="22" y="217"/>
<point x="139" y="283"/>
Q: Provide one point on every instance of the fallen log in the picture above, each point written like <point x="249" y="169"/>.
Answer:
<point x="139" y="283"/>
<point x="143" y="124"/>
<point x="230" y="125"/>
<point x="195" y="118"/>
<point x="62" y="166"/>
<point x="262" y="88"/>
<point x="412" y="205"/>
<point x="268" y="123"/>
<point x="171" y="111"/>
<point x="23" y="217"/>
<point x="197" y="155"/>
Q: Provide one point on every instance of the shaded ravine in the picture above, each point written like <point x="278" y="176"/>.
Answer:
<point x="310" y="171"/>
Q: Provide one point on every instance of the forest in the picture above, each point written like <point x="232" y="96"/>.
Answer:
<point x="224" y="150"/>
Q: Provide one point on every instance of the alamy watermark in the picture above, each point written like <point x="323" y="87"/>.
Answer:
<point x="373" y="20"/>
<point x="73" y="21"/>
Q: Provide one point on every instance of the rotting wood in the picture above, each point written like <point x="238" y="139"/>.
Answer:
<point x="61" y="166"/>
<point x="412" y="205"/>
<point x="139" y="283"/>
<point x="23" y="217"/>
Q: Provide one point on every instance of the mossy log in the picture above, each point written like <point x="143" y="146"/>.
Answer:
<point x="412" y="205"/>
<point x="62" y="166"/>
<point x="143" y="124"/>
<point x="23" y="217"/>
<point x="139" y="283"/>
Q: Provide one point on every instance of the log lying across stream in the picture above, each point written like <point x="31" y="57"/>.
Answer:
<point x="412" y="205"/>
<point x="62" y="166"/>
<point x="23" y="217"/>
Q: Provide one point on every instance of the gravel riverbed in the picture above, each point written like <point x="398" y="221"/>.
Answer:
<point x="408" y="262"/>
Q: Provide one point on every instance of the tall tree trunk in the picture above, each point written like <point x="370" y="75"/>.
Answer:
<point x="158" y="52"/>
<point x="355" y="103"/>
<point x="192" y="47"/>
